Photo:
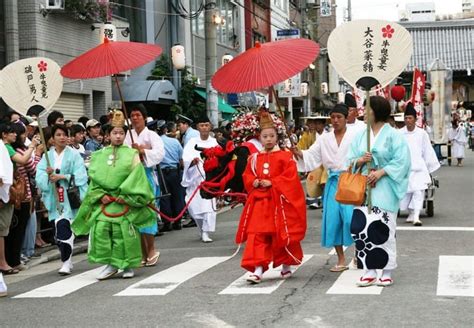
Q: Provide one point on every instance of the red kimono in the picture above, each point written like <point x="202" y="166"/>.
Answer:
<point x="273" y="221"/>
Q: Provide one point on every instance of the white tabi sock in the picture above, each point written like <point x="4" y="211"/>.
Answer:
<point x="387" y="274"/>
<point x="370" y="274"/>
<point x="416" y="215"/>
<point x="258" y="271"/>
<point x="285" y="268"/>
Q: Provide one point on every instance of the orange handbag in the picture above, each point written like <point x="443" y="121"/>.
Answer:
<point x="351" y="187"/>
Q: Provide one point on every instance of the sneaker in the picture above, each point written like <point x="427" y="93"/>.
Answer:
<point x="66" y="268"/>
<point x="3" y="289"/>
<point x="108" y="272"/>
<point x="417" y="223"/>
<point x="128" y="273"/>
<point x="24" y="259"/>
<point x="205" y="237"/>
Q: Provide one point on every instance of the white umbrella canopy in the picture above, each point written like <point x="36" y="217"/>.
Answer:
<point x="31" y="81"/>
<point x="369" y="52"/>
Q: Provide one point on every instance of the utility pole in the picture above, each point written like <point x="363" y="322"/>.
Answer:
<point x="211" y="61"/>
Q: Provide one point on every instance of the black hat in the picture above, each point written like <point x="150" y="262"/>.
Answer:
<point x="183" y="119"/>
<point x="410" y="109"/>
<point x="203" y="119"/>
<point x="35" y="110"/>
<point x="350" y="101"/>
<point x="340" y="108"/>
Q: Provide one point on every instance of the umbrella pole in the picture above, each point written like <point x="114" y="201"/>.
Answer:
<point x="368" y="121"/>
<point x="124" y="107"/>
<point x="48" y="164"/>
<point x="280" y="112"/>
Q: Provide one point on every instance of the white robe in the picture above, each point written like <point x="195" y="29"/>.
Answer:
<point x="458" y="139"/>
<point x="6" y="173"/>
<point x="326" y="152"/>
<point x="357" y="126"/>
<point x="199" y="208"/>
<point x="152" y="156"/>
<point x="423" y="158"/>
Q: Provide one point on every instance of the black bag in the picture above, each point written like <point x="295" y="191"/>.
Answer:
<point x="73" y="194"/>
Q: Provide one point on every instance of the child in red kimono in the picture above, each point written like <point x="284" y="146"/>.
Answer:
<point x="273" y="221"/>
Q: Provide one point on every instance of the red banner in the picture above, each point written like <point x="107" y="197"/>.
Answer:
<point x="417" y="91"/>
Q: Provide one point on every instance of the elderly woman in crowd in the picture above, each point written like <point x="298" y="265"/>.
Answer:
<point x="66" y="167"/>
<point x="374" y="233"/>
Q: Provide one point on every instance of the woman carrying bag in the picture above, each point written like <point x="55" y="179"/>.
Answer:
<point x="389" y="158"/>
<point x="54" y="182"/>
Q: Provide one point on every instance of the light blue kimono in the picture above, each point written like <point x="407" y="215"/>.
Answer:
<point x="389" y="151"/>
<point x="72" y="164"/>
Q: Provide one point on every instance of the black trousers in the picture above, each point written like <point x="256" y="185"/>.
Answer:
<point x="173" y="204"/>
<point x="14" y="240"/>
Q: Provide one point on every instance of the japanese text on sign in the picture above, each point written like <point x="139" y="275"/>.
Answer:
<point x="368" y="54"/>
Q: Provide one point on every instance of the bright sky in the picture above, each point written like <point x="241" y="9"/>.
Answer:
<point x="388" y="9"/>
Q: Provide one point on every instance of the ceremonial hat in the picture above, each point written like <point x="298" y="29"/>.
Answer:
<point x="265" y="120"/>
<point x="340" y="108"/>
<point x="117" y="119"/>
<point x="203" y="119"/>
<point x="410" y="109"/>
<point x="349" y="100"/>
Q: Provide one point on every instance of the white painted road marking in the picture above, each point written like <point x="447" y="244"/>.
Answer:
<point x="456" y="276"/>
<point x="436" y="228"/>
<point x="270" y="282"/>
<point x="65" y="286"/>
<point x="165" y="281"/>
<point x="346" y="285"/>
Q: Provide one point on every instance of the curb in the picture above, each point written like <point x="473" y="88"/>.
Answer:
<point x="54" y="254"/>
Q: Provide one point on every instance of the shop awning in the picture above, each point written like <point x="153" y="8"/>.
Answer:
<point x="222" y="105"/>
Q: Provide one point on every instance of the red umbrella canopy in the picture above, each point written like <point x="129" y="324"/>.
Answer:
<point x="265" y="65"/>
<point x="110" y="57"/>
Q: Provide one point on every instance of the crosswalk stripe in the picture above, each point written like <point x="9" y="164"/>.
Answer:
<point x="346" y="284"/>
<point x="270" y="282"/>
<point x="456" y="276"/>
<point x="167" y="280"/>
<point x="65" y="286"/>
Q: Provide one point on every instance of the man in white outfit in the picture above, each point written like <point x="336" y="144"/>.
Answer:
<point x="201" y="210"/>
<point x="423" y="162"/>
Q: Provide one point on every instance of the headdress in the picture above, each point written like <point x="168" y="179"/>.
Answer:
<point x="341" y="108"/>
<point x="265" y="120"/>
<point x="410" y="109"/>
<point x="117" y="119"/>
<point x="350" y="101"/>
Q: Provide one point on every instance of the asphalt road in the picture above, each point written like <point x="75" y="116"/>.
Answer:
<point x="194" y="283"/>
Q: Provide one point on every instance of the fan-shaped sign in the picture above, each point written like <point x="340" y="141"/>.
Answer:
<point x="370" y="52"/>
<point x="32" y="81"/>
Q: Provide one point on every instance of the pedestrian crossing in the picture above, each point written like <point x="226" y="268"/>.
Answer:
<point x="455" y="278"/>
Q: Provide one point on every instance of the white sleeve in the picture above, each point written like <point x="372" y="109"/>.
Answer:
<point x="429" y="155"/>
<point x="154" y="155"/>
<point x="312" y="158"/>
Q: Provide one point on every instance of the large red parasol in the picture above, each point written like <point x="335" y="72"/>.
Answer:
<point x="265" y="65"/>
<point x="111" y="57"/>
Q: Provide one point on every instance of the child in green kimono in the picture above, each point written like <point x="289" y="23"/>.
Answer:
<point x="115" y="206"/>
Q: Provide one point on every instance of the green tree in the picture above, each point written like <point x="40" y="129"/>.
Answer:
<point x="189" y="103"/>
<point x="162" y="69"/>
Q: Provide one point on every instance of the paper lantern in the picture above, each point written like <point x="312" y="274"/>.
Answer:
<point x="226" y="59"/>
<point x="178" y="57"/>
<point x="397" y="92"/>
<point x="304" y="89"/>
<point x="108" y="31"/>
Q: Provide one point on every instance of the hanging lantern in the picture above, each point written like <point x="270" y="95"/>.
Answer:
<point x="108" y="31"/>
<point x="397" y="92"/>
<point x="287" y="87"/>
<point x="304" y="89"/>
<point x="226" y="59"/>
<point x="178" y="57"/>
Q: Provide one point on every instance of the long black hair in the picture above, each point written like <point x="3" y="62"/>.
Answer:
<point x="19" y="129"/>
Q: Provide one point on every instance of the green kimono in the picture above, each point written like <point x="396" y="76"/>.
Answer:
<point x="114" y="237"/>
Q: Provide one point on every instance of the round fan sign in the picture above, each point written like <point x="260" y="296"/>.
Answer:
<point x="32" y="81"/>
<point x="369" y="52"/>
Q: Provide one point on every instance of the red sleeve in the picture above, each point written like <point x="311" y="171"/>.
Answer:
<point x="248" y="175"/>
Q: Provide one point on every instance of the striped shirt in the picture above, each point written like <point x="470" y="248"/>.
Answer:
<point x="28" y="169"/>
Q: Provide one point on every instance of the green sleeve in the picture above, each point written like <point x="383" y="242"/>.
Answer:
<point x="84" y="219"/>
<point x="136" y="190"/>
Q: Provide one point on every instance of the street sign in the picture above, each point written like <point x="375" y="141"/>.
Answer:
<point x="325" y="8"/>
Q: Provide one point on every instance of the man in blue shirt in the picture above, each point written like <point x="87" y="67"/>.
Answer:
<point x="171" y="166"/>
<point x="185" y="129"/>
<point x="93" y="131"/>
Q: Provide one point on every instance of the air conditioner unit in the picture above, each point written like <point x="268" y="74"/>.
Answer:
<point x="55" y="4"/>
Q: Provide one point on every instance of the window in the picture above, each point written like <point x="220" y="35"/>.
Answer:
<point x="282" y="4"/>
<point x="197" y="25"/>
